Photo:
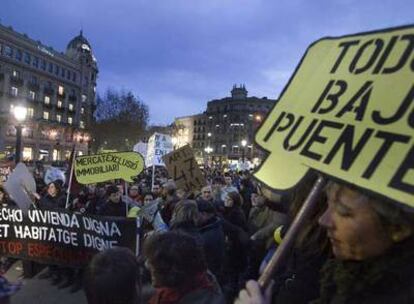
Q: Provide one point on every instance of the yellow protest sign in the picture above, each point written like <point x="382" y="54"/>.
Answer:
<point x="348" y="111"/>
<point x="97" y="168"/>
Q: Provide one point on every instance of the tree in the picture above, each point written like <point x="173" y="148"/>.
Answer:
<point x="120" y="118"/>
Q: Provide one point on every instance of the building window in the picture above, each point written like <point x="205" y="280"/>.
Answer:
<point x="32" y="95"/>
<point x="82" y="124"/>
<point x="57" y="69"/>
<point x="8" y="51"/>
<point x="45" y="115"/>
<point x="84" y="98"/>
<point x="47" y="100"/>
<point x="35" y="62"/>
<point x="82" y="110"/>
<point x="70" y="120"/>
<point x="68" y="75"/>
<point x="74" y="77"/>
<point x="71" y="107"/>
<point x="58" y="118"/>
<point x="27" y="58"/>
<point x="14" y="91"/>
<point x="27" y="153"/>
<point x="43" y="65"/>
<point x="16" y="74"/>
<point x="50" y="69"/>
<point x="61" y="90"/>
<point x="30" y="112"/>
<point x="33" y="80"/>
<point x="63" y="73"/>
<point x="59" y="104"/>
<point x="19" y="55"/>
<point x="56" y="154"/>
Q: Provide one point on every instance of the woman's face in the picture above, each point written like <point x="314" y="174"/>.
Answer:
<point x="228" y="202"/>
<point x="353" y="227"/>
<point x="257" y="200"/>
<point x="148" y="199"/>
<point x="51" y="190"/>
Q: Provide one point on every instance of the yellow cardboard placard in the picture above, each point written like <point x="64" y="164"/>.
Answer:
<point x="97" y="168"/>
<point x="348" y="111"/>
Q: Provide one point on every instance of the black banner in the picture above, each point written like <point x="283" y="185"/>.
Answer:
<point x="60" y="237"/>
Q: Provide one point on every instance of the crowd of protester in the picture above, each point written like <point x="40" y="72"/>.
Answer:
<point x="204" y="246"/>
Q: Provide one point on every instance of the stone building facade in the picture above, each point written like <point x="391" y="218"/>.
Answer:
<point x="218" y="133"/>
<point x="57" y="89"/>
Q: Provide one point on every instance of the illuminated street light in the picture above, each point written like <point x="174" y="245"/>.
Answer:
<point x="243" y="143"/>
<point x="208" y="149"/>
<point x="258" y="118"/>
<point x="209" y="134"/>
<point x="20" y="114"/>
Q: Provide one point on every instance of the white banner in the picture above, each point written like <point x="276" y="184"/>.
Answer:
<point x="158" y="145"/>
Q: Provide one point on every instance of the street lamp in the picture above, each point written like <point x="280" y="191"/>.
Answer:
<point x="243" y="143"/>
<point x="19" y="113"/>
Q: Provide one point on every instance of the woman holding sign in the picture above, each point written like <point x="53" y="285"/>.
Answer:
<point x="373" y="245"/>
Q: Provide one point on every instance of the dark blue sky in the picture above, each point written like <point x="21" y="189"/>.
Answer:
<point x="178" y="54"/>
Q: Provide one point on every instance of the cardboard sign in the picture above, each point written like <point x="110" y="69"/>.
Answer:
<point x="60" y="237"/>
<point x="158" y="146"/>
<point x="183" y="169"/>
<point x="103" y="167"/>
<point x="348" y="111"/>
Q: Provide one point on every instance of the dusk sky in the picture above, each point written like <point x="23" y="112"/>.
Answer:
<point x="178" y="54"/>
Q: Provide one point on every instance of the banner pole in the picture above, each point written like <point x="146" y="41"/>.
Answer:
<point x="70" y="177"/>
<point x="279" y="257"/>
<point x="153" y="174"/>
<point x="126" y="198"/>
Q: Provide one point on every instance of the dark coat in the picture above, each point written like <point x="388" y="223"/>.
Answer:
<point x="235" y="230"/>
<point x="113" y="209"/>
<point x="48" y="202"/>
<point x="212" y="236"/>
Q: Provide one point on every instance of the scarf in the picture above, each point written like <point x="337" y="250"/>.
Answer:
<point x="345" y="280"/>
<point x="166" y="295"/>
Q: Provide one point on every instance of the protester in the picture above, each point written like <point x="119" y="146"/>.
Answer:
<point x="112" y="277"/>
<point x="134" y="195"/>
<point x="169" y="200"/>
<point x="5" y="200"/>
<point x="372" y="242"/>
<point x="54" y="198"/>
<point x="228" y="186"/>
<point x="114" y="205"/>
<point x="156" y="190"/>
<point x="235" y="230"/>
<point x="212" y="235"/>
<point x="178" y="270"/>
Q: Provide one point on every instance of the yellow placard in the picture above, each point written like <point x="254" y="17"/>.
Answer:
<point x="97" y="168"/>
<point x="348" y="111"/>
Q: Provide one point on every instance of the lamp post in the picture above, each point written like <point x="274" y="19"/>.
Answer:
<point x="19" y="113"/>
<point x="243" y="143"/>
<point x="208" y="150"/>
